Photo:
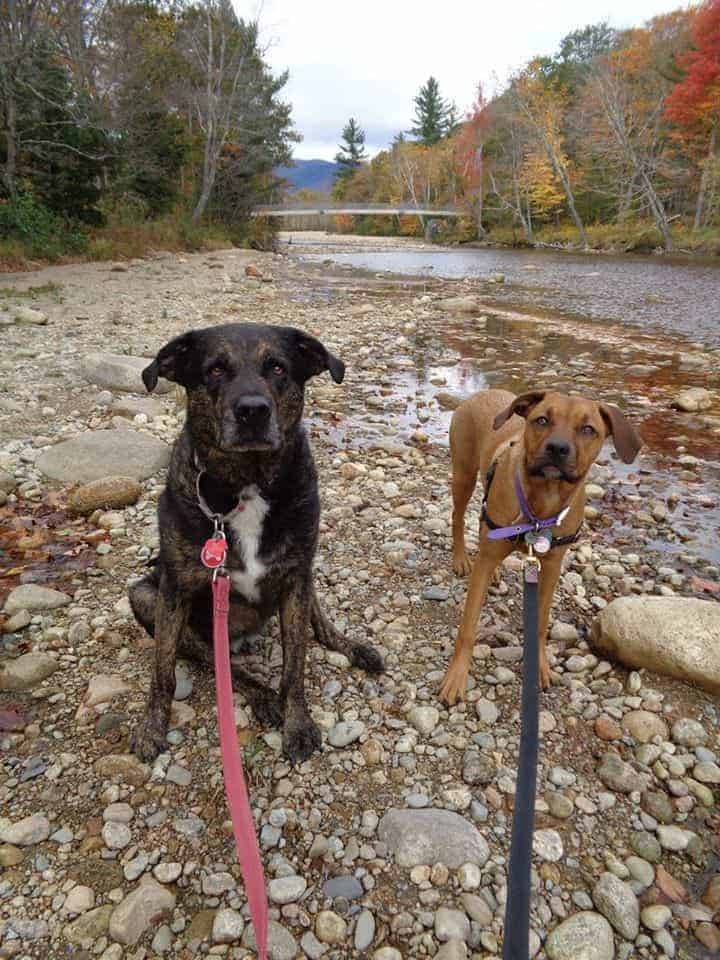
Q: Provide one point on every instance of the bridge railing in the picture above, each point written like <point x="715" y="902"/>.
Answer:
<point x="337" y="207"/>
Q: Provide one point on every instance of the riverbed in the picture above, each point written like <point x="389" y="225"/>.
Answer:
<point x="589" y="324"/>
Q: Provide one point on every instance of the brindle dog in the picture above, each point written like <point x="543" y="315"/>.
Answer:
<point x="244" y="451"/>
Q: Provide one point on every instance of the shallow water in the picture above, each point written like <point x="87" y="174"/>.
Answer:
<point x="660" y="294"/>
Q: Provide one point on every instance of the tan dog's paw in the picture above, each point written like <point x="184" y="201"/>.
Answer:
<point x="454" y="683"/>
<point x="462" y="564"/>
<point x="544" y="674"/>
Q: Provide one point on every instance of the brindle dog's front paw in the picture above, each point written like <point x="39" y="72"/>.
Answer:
<point x="267" y="707"/>
<point x="301" y="738"/>
<point x="367" y="658"/>
<point x="148" y="740"/>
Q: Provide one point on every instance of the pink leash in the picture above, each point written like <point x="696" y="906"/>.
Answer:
<point x="248" y="852"/>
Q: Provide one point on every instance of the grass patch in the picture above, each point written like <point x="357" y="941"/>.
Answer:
<point x="51" y="290"/>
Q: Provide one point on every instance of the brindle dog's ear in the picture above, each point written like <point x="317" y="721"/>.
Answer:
<point x="313" y="358"/>
<point x="626" y="439"/>
<point x="521" y="405"/>
<point x="172" y="362"/>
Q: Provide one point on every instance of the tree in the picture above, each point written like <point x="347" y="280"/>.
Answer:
<point x="433" y="115"/>
<point x="542" y="104"/>
<point x="469" y="156"/>
<point x="352" y="150"/>
<point x="694" y="103"/>
<point x="229" y="91"/>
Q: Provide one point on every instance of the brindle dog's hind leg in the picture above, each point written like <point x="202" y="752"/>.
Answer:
<point x="265" y="702"/>
<point x="195" y="643"/>
<point x="359" y="654"/>
<point x="171" y="615"/>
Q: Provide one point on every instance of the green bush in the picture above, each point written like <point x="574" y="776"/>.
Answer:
<point x="40" y="232"/>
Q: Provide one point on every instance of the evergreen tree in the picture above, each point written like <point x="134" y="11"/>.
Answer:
<point x="433" y="115"/>
<point x="352" y="150"/>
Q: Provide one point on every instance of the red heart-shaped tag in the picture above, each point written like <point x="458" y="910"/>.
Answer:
<point x="214" y="552"/>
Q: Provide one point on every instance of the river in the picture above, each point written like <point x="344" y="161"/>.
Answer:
<point x="671" y="295"/>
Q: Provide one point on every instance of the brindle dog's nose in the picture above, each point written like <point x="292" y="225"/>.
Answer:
<point x="558" y="449"/>
<point x="253" y="411"/>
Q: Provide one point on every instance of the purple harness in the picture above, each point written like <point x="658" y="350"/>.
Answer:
<point x="535" y="530"/>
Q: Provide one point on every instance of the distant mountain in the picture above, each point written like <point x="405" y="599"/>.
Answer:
<point x="317" y="175"/>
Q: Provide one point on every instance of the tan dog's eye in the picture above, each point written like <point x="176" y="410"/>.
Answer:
<point x="541" y="421"/>
<point x="588" y="430"/>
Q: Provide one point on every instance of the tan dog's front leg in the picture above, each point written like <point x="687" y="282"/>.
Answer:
<point x="549" y="576"/>
<point x="455" y="681"/>
<point x="463" y="485"/>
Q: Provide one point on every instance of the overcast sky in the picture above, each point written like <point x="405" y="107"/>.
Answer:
<point x="368" y="59"/>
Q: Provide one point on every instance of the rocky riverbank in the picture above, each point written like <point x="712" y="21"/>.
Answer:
<point x="393" y="841"/>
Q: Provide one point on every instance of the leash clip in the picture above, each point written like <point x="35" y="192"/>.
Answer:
<point x="214" y="549"/>
<point x="531" y="566"/>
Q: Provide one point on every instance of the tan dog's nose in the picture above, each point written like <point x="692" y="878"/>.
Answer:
<point x="557" y="448"/>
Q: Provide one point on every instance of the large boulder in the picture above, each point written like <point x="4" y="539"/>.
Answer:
<point x="119" y="373"/>
<point x="675" y="636"/>
<point x="105" y="453"/>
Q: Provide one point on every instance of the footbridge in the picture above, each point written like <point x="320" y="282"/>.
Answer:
<point x="355" y="210"/>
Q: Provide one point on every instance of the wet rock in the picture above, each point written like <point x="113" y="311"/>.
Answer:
<point x="119" y="373"/>
<point x="89" y="926"/>
<point x="616" y="774"/>
<point x="448" y="401"/>
<point x="140" y="910"/>
<point x="618" y="904"/>
<point x="29" y="317"/>
<point x="676" y="636"/>
<point x="108" y="493"/>
<point x="364" y="930"/>
<point x="330" y="928"/>
<point x="105" y="453"/>
<point x="689" y="733"/>
<point x="424" y="719"/>
<point x="693" y="399"/>
<point x="643" y="726"/>
<point x="281" y="944"/>
<point x="228" y="926"/>
<point x="103" y="688"/>
<point x="548" y="845"/>
<point x="451" y="925"/>
<point x="26" y="832"/>
<point x="432" y="836"/>
<point x="27" y="671"/>
<point x="584" y="936"/>
<point x="286" y="889"/>
<point x="458" y="305"/>
<point x="346" y="732"/>
<point x="33" y="598"/>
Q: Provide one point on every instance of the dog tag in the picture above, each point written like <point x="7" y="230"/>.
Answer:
<point x="540" y="541"/>
<point x="214" y="552"/>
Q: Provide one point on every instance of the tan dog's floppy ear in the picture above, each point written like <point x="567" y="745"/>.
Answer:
<point x="521" y="405"/>
<point x="626" y="439"/>
<point x="170" y="363"/>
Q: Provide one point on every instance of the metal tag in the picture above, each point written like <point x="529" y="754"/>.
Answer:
<point x="539" y="540"/>
<point x="214" y="552"/>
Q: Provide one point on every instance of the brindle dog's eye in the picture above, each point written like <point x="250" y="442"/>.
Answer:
<point x="276" y="368"/>
<point x="216" y="371"/>
<point x="541" y="421"/>
<point x="588" y="430"/>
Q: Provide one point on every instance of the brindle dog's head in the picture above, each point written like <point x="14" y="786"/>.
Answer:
<point x="564" y="434"/>
<point x="245" y="382"/>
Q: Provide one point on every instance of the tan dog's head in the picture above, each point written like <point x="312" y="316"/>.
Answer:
<point x="564" y="434"/>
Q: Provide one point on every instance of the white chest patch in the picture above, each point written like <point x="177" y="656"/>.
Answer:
<point x="247" y="525"/>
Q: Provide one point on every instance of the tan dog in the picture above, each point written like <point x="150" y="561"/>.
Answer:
<point x="550" y="452"/>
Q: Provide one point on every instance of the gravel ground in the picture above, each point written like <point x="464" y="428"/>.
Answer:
<point x="392" y="842"/>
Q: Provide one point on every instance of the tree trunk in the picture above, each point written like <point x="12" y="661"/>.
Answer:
<point x="704" y="179"/>
<point x="479" y="206"/>
<point x="10" y="166"/>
